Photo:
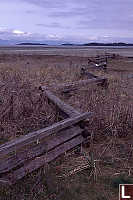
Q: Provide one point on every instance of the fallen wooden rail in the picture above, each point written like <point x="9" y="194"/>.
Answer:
<point x="74" y="85"/>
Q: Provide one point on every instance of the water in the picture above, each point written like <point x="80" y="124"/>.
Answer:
<point x="83" y="51"/>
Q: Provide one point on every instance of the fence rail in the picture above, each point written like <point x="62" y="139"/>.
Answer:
<point x="32" y="151"/>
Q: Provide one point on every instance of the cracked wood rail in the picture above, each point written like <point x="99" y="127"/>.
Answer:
<point x="44" y="146"/>
<point x="29" y="141"/>
<point x="38" y="162"/>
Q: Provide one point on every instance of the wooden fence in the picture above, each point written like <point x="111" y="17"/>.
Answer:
<point x="100" y="61"/>
<point x="101" y="58"/>
<point x="22" y="156"/>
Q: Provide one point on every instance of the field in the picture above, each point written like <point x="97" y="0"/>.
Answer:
<point x="108" y="159"/>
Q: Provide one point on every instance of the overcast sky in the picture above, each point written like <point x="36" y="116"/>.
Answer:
<point x="67" y="20"/>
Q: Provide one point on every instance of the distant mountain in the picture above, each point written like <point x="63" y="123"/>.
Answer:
<point x="61" y="43"/>
<point x="46" y="42"/>
<point x="30" y="43"/>
<point x="108" y="44"/>
<point x="67" y="44"/>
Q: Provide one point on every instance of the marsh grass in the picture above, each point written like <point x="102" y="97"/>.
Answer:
<point x="24" y="109"/>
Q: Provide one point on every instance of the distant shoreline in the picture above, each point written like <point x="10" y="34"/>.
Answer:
<point x="72" y="45"/>
<point x="119" y="44"/>
<point x="95" y="44"/>
<point x="31" y="44"/>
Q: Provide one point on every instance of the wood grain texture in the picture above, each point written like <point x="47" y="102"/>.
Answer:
<point x="42" y="160"/>
<point x="42" y="147"/>
<point x="38" y="135"/>
<point x="69" y="110"/>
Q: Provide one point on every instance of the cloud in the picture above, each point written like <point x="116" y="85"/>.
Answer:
<point x="18" y="35"/>
<point x="21" y="33"/>
<point x="47" y="3"/>
<point x="13" y="33"/>
<point x="70" y="13"/>
<point x="108" y="23"/>
<point x="53" y="25"/>
<point x="9" y="34"/>
<point x="80" y="20"/>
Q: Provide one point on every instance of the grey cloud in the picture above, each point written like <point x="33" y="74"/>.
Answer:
<point x="16" y="35"/>
<point x="12" y="34"/>
<point x="107" y="23"/>
<point x="30" y="12"/>
<point x="81" y="18"/>
<point x="54" y="24"/>
<point x="70" y="13"/>
<point x="47" y="3"/>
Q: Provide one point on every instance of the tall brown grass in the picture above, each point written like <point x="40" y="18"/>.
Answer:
<point x="23" y="109"/>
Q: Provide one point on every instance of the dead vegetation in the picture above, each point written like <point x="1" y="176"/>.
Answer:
<point x="108" y="161"/>
<point x="22" y="108"/>
<point x="112" y="108"/>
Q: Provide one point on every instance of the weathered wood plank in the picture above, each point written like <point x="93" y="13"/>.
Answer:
<point x="42" y="160"/>
<point x="74" y="85"/>
<point x="34" y="137"/>
<point x="44" y="146"/>
<point x="65" y="108"/>
<point x="69" y="110"/>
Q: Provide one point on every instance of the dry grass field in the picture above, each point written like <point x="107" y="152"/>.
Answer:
<point x="22" y="109"/>
<point x="108" y="160"/>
